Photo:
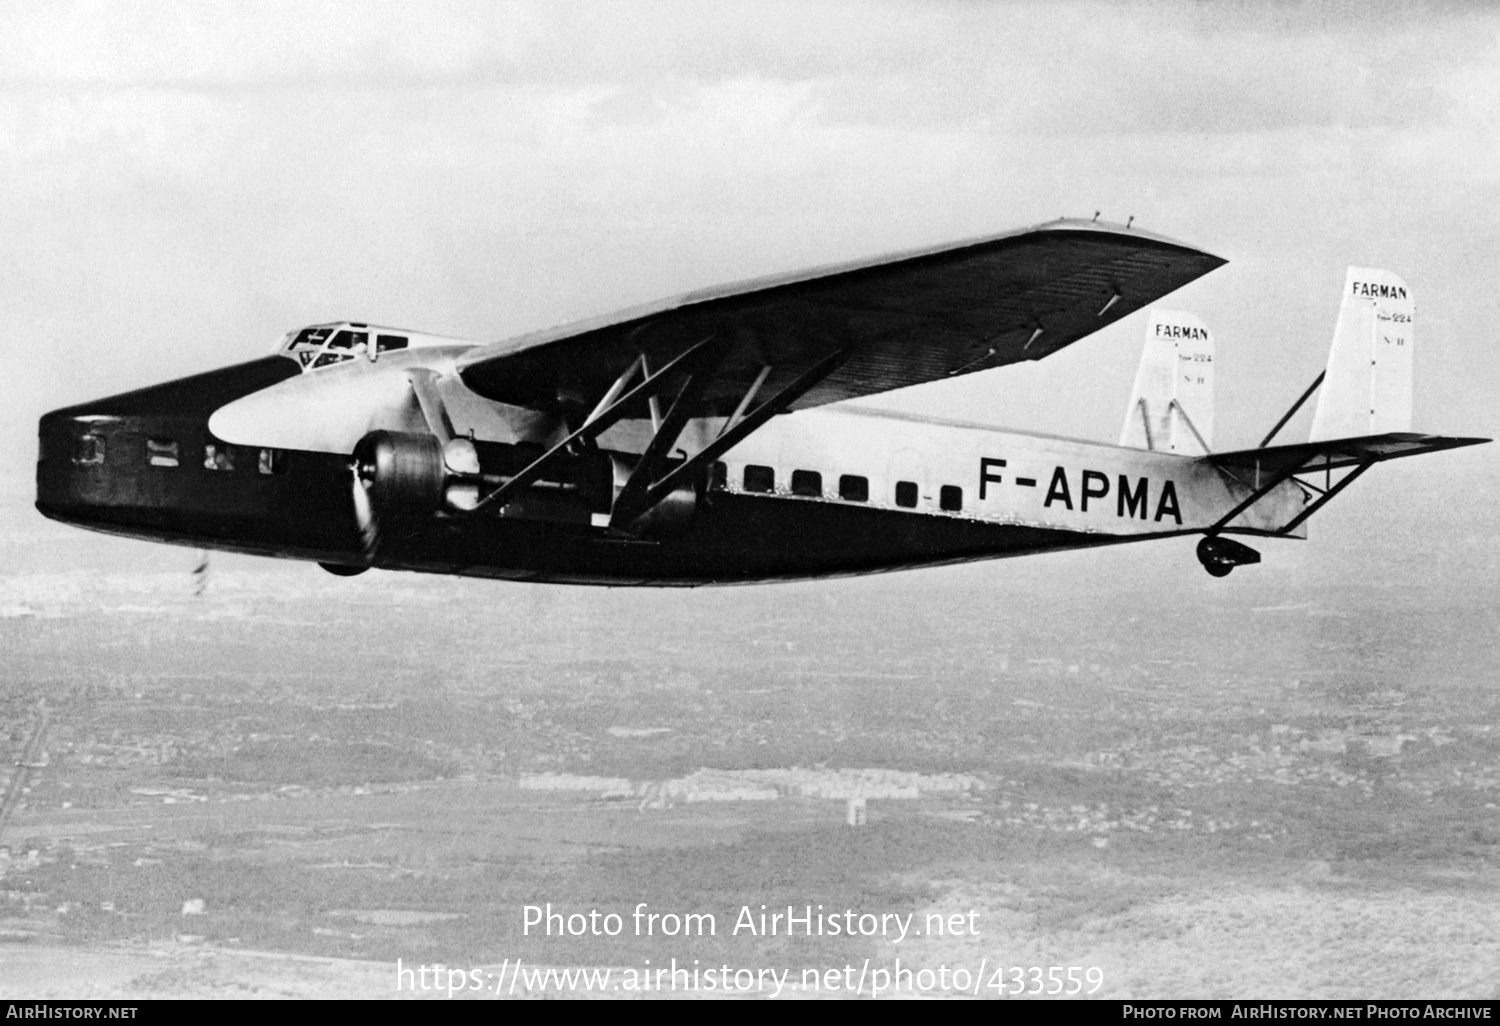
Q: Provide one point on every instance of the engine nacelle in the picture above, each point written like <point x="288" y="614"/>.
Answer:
<point x="411" y="477"/>
<point x="404" y="473"/>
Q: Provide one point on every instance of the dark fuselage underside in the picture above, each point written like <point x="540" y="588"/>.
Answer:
<point x="297" y="505"/>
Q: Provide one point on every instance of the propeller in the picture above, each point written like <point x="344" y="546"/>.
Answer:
<point x="364" y="516"/>
<point x="364" y="509"/>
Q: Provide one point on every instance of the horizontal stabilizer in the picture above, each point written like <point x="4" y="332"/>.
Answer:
<point x="1308" y="457"/>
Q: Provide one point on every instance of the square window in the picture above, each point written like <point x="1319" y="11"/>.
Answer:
<point x="951" y="498"/>
<point x="906" y="494"/>
<point x="314" y="337"/>
<point x="759" y="479"/>
<point x="88" y="451"/>
<point x="854" y="489"/>
<point x="161" y="452"/>
<point x="217" y="457"/>
<point x="808" y="483"/>
<point x="271" y="461"/>
<point x="718" y="476"/>
<point x="348" y="339"/>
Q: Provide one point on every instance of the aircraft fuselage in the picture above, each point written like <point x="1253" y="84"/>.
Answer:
<point x="835" y="491"/>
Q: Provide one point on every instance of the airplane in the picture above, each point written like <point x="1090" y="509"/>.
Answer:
<point x="706" y="439"/>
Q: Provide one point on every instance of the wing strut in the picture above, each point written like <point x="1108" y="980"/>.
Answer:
<point x="424" y="388"/>
<point x="600" y="421"/>
<point x="1255" y="496"/>
<point x="1295" y="407"/>
<point x="1323" y="499"/>
<point x="733" y="434"/>
<point x="655" y="475"/>
<point x="1220" y="555"/>
<point x="628" y="505"/>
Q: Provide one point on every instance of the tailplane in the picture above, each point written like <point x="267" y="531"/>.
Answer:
<point x="1363" y="418"/>
<point x="1172" y="405"/>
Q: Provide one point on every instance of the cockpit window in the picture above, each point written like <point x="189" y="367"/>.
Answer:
<point x="311" y="338"/>
<point x="324" y="345"/>
<point x="349" y="340"/>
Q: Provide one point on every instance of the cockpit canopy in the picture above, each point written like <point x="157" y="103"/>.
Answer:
<point x="323" y="344"/>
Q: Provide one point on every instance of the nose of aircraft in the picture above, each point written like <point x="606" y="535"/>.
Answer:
<point x="95" y="461"/>
<point x="71" y="472"/>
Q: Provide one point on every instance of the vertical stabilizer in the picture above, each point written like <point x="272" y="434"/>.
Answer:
<point x="1172" y="405"/>
<point x="1367" y="387"/>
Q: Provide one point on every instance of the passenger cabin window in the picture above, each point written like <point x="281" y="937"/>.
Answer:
<point x="271" y="461"/>
<point x="217" y="457"/>
<point x="759" y="479"/>
<point x="854" y="489"/>
<point x="718" y="476"/>
<point x="951" y="498"/>
<point x="88" y="451"/>
<point x="161" y="452"/>
<point x="383" y="343"/>
<point x="808" y="483"/>
<point x="906" y="494"/>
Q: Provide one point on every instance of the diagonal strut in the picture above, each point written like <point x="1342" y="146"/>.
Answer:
<point x="628" y="504"/>
<point x="601" y="421"/>
<point x="660" y="489"/>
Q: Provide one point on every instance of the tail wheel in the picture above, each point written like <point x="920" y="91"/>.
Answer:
<point x="1220" y="555"/>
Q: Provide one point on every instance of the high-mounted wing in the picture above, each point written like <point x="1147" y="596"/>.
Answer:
<point x="833" y="333"/>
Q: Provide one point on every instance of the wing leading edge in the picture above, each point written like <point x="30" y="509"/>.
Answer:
<point x="896" y="320"/>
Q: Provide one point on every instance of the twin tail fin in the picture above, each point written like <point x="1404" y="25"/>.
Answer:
<point x="1172" y="405"/>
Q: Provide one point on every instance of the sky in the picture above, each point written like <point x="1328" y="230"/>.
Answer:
<point x="180" y="183"/>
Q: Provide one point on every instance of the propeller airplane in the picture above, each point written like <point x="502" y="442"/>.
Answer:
<point x="706" y="439"/>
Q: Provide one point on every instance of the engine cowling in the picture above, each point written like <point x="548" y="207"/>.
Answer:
<point x="403" y="473"/>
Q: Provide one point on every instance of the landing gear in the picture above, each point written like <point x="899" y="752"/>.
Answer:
<point x="1220" y="555"/>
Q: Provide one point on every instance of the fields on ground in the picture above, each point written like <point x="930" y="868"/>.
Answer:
<point x="1271" y="785"/>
